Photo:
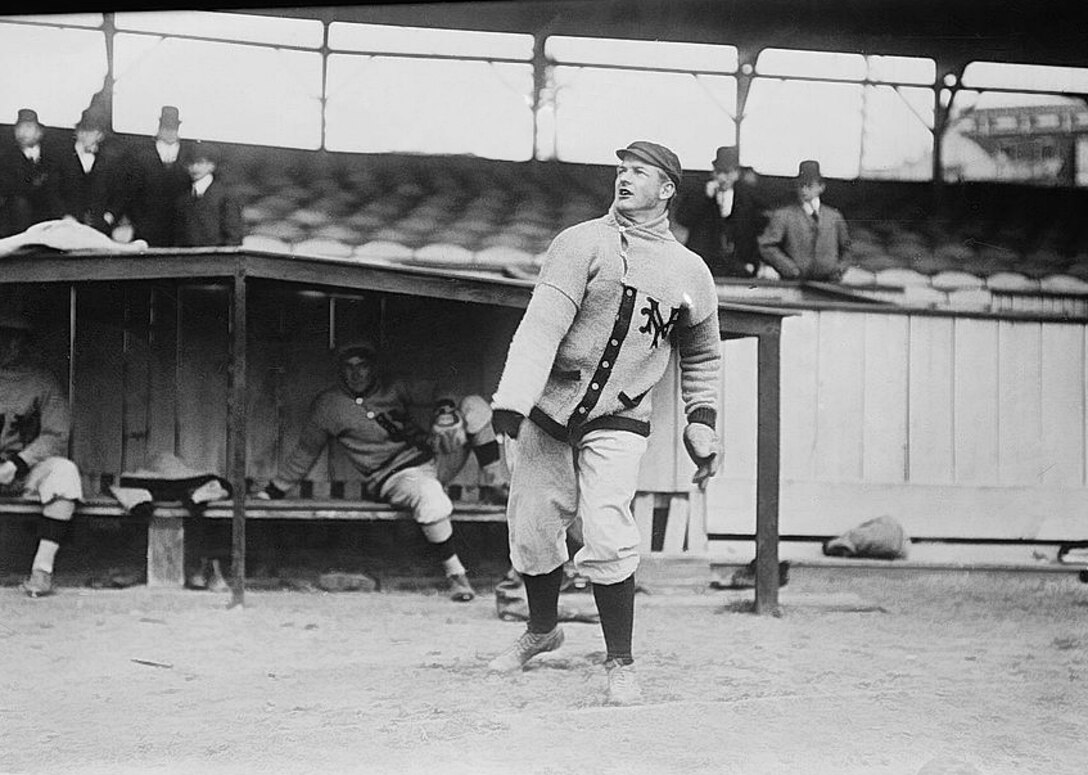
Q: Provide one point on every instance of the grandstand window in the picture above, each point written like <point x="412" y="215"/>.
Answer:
<point x="235" y="27"/>
<point x="1028" y="78"/>
<point x="591" y="81"/>
<point x="60" y="92"/>
<point x="63" y="19"/>
<point x="379" y="104"/>
<point x="860" y="116"/>
<point x="225" y="92"/>
<point x="390" y="39"/>
<point x="1013" y="136"/>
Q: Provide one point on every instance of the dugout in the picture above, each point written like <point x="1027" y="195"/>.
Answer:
<point x="214" y="354"/>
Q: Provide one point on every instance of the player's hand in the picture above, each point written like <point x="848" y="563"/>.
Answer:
<point x="705" y="450"/>
<point x="7" y="472"/>
<point x="506" y="422"/>
<point x="711" y="188"/>
<point x="447" y="428"/>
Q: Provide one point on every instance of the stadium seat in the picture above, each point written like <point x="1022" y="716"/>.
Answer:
<point x="954" y="280"/>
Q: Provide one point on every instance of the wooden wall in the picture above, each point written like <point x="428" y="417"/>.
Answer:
<point x="957" y="427"/>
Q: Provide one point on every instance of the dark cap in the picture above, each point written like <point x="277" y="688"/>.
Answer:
<point x="201" y="150"/>
<point x="92" y="120"/>
<point x="28" y="116"/>
<point x="15" y="321"/>
<point x="359" y="346"/>
<point x="657" y="155"/>
<point x="726" y="159"/>
<point x="169" y="117"/>
<point x="808" y="172"/>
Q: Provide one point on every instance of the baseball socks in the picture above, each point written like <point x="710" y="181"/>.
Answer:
<point x="51" y="532"/>
<point x="440" y="537"/>
<point x="616" y="605"/>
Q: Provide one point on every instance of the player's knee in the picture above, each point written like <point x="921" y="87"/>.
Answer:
<point x="433" y="505"/>
<point x="477" y="413"/>
<point x="59" y="480"/>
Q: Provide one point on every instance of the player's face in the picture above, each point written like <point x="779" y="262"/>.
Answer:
<point x="357" y="373"/>
<point x="641" y="190"/>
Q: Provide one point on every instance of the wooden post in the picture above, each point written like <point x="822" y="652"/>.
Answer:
<point x="767" y="455"/>
<point x="236" y="435"/>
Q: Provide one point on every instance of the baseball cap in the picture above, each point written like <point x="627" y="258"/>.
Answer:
<point x="359" y="346"/>
<point x="657" y="155"/>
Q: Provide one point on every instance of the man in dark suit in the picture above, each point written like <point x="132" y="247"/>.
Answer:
<point x="89" y="176"/>
<point x="207" y="214"/>
<point x="158" y="175"/>
<point x="28" y="178"/>
<point x="724" y="218"/>
<point x="807" y="240"/>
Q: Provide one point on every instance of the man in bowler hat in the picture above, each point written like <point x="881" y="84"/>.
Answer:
<point x="807" y="240"/>
<point x="207" y="214"/>
<point x="724" y="218"/>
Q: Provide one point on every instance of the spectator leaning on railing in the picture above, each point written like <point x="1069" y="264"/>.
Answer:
<point x="28" y="177"/>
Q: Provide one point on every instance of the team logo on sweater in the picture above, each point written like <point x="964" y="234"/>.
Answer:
<point x="656" y="323"/>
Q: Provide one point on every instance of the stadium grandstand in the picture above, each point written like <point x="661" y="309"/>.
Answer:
<point x="933" y="382"/>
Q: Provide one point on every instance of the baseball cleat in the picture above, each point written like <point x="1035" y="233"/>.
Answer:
<point x="460" y="590"/>
<point x="40" y="584"/>
<point x="525" y="648"/>
<point x="623" y="687"/>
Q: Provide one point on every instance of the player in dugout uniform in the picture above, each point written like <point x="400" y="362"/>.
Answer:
<point x="615" y="296"/>
<point x="34" y="427"/>
<point x="368" y="416"/>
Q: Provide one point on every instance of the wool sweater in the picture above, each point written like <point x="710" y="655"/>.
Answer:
<point x="374" y="430"/>
<point x="34" y="417"/>
<point x="612" y="301"/>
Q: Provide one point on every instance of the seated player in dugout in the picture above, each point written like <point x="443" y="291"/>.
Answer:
<point x="34" y="428"/>
<point x="367" y="414"/>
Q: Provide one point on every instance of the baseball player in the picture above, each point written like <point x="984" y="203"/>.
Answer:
<point x="401" y="464"/>
<point x="34" y="428"/>
<point x="615" y="296"/>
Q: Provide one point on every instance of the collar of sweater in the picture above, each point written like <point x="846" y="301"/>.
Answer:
<point x="658" y="228"/>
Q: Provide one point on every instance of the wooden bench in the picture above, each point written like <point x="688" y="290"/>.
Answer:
<point x="166" y="527"/>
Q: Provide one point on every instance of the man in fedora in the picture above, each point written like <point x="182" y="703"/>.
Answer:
<point x="724" y="218"/>
<point x="616" y="299"/>
<point x="807" y="240"/>
<point x="34" y="427"/>
<point x="28" y="179"/>
<point x="207" y="213"/>
<point x="159" y="175"/>
<point x="90" y="177"/>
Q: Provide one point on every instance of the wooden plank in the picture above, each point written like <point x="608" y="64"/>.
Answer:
<point x="643" y="510"/>
<point x="930" y="400"/>
<point x="1063" y="415"/>
<point x="658" y="470"/>
<point x="768" y="476"/>
<point x="738" y="409"/>
<point x="136" y="376"/>
<point x="1020" y="403"/>
<point x="676" y="527"/>
<point x="165" y="551"/>
<point x="698" y="544"/>
<point x="975" y="402"/>
<point x="236" y="436"/>
<point x="202" y="377"/>
<point x="884" y="423"/>
<point x="839" y="396"/>
<point x="97" y="405"/>
<point x="162" y="369"/>
<point x="799" y="402"/>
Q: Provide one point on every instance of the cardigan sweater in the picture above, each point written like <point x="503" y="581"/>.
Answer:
<point x="613" y="300"/>
<point x="374" y="430"/>
<point x="34" y="416"/>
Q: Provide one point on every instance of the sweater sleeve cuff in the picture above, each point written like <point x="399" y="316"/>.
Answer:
<point x="704" y="415"/>
<point x="21" y="466"/>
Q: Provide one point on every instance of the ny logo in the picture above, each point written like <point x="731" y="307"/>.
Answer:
<point x="660" y="327"/>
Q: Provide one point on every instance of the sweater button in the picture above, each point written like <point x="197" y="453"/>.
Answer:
<point x="595" y="386"/>
<point x="615" y="343"/>
<point x="581" y="410"/>
<point x="604" y="364"/>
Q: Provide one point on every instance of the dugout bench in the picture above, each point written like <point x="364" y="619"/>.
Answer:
<point x="236" y="271"/>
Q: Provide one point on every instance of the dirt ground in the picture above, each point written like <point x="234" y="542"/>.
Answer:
<point x="865" y="672"/>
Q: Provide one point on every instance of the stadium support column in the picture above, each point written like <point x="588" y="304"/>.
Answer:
<point x="767" y="476"/>
<point x="236" y="434"/>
